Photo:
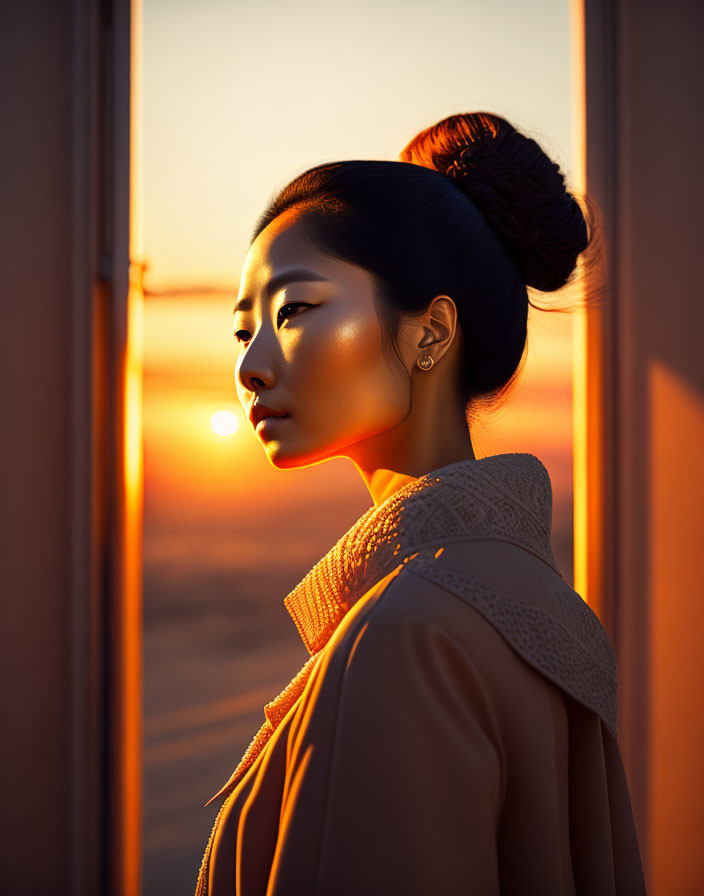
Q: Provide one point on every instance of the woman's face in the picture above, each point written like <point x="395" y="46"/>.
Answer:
<point x="312" y="348"/>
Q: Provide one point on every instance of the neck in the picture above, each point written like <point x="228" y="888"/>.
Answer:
<point x="388" y="461"/>
<point x="382" y="483"/>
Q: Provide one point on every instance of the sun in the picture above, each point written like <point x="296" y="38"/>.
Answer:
<point x="224" y="423"/>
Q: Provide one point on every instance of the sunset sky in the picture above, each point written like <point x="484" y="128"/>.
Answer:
<point x="238" y="98"/>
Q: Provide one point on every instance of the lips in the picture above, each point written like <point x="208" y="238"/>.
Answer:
<point x="260" y="411"/>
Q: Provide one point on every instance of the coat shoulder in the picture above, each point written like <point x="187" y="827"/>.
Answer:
<point x="508" y="610"/>
<point x="545" y="621"/>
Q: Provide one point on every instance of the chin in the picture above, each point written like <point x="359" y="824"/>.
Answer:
<point x="282" y="462"/>
<point x="284" y="458"/>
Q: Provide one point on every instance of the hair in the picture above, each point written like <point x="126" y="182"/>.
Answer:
<point x="474" y="210"/>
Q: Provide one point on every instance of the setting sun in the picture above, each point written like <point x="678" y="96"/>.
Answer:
<point x="224" y="423"/>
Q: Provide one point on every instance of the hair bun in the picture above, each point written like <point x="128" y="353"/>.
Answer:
<point x="518" y="188"/>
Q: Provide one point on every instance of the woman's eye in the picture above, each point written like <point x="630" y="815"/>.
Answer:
<point x="282" y="314"/>
<point x="290" y="305"/>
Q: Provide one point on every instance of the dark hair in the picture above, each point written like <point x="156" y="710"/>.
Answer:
<point x="474" y="210"/>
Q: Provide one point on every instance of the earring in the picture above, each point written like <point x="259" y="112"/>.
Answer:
<point x="426" y="363"/>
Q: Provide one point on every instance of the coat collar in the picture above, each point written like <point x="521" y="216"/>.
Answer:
<point x="503" y="496"/>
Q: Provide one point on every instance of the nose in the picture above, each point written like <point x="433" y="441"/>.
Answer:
<point x="255" y="371"/>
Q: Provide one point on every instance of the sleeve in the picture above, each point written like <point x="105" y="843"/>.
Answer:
<point x="395" y="776"/>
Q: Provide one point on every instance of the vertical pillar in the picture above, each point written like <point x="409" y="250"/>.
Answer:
<point x="70" y="515"/>
<point x="639" y="379"/>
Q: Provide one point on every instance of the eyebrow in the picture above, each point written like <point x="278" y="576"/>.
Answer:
<point x="293" y="276"/>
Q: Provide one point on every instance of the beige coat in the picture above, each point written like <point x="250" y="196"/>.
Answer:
<point x="454" y="730"/>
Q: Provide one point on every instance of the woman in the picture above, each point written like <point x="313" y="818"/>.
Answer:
<point x="454" y="729"/>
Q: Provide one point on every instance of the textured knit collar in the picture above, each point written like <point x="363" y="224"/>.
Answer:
<point x="503" y="496"/>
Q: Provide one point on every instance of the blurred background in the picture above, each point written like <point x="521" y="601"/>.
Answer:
<point x="238" y="98"/>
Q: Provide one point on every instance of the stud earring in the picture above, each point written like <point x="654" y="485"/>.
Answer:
<point x="426" y="363"/>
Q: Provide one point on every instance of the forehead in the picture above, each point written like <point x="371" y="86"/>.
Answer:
<point x="282" y="246"/>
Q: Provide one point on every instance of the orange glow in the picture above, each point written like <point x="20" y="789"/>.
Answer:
<point x="131" y="604"/>
<point x="129" y="782"/>
<point x="133" y="387"/>
<point x="584" y="582"/>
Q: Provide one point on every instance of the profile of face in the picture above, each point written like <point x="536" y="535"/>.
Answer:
<point x="309" y="344"/>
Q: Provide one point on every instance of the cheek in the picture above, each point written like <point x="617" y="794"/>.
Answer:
<point x="346" y="386"/>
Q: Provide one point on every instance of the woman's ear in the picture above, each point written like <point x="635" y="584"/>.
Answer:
<point x="438" y="323"/>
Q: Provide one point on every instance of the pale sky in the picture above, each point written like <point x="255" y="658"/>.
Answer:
<point x="241" y="96"/>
